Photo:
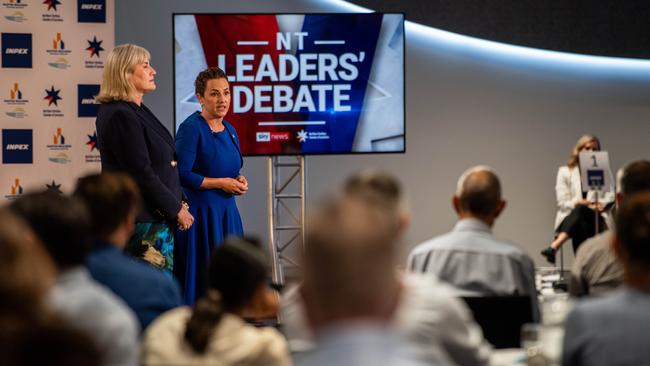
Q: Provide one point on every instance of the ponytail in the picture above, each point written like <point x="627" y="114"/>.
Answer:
<point x="205" y="317"/>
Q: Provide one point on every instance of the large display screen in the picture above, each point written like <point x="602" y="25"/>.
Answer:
<point x="300" y="83"/>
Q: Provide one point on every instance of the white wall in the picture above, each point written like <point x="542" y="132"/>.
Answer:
<point x="465" y="105"/>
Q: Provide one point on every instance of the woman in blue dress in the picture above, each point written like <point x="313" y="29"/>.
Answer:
<point x="209" y="161"/>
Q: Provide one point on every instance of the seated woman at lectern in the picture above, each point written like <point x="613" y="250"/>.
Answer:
<point x="576" y="214"/>
<point x="209" y="161"/>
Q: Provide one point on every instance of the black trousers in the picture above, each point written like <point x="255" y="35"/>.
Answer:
<point x="581" y="225"/>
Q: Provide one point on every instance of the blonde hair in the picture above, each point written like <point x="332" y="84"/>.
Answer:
<point x="116" y="80"/>
<point x="575" y="152"/>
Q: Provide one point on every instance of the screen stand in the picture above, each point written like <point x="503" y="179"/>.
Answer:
<point x="286" y="214"/>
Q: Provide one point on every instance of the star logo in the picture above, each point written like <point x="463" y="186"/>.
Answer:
<point x="302" y="135"/>
<point x="53" y="187"/>
<point x="51" y="4"/>
<point x="92" y="141"/>
<point x="52" y="96"/>
<point x="94" y="46"/>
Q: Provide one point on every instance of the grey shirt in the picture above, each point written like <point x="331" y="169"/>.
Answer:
<point x="472" y="260"/>
<point x="94" y="309"/>
<point x="595" y="270"/>
<point x="609" y="331"/>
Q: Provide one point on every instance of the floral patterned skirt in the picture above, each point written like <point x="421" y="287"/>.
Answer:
<point x="153" y="242"/>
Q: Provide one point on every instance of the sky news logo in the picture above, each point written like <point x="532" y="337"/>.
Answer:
<point x="17" y="146"/>
<point x="272" y="136"/>
<point x="87" y="105"/>
<point x="91" y="11"/>
<point x="17" y="50"/>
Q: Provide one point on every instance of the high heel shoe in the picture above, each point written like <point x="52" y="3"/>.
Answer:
<point x="549" y="254"/>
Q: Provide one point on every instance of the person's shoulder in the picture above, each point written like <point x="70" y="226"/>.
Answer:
<point x="597" y="307"/>
<point x="118" y="109"/>
<point x="432" y="243"/>
<point x="191" y="123"/>
<point x="172" y="320"/>
<point x="166" y="328"/>
<point x="115" y="106"/>
<point x="596" y="244"/>
<point x="129" y="270"/>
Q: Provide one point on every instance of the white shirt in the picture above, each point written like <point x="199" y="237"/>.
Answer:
<point x="568" y="191"/>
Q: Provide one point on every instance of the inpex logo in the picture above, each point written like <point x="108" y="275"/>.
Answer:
<point x="17" y="146"/>
<point x="16" y="50"/>
<point x="91" y="11"/>
<point x="87" y="105"/>
<point x="263" y="137"/>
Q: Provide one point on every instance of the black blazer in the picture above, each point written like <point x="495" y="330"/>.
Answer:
<point x="131" y="139"/>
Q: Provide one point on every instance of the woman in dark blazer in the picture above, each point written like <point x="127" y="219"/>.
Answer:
<point x="131" y="139"/>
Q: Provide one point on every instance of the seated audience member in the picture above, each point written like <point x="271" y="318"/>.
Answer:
<point x="436" y="325"/>
<point x="113" y="200"/>
<point x="214" y="333"/>
<point x="62" y="224"/>
<point x="30" y="334"/>
<point x="469" y="257"/>
<point x="596" y="270"/>
<point x="612" y="330"/>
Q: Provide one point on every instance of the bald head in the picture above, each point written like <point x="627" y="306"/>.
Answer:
<point x="478" y="194"/>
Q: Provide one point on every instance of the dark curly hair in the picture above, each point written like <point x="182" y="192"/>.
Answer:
<point x="206" y="75"/>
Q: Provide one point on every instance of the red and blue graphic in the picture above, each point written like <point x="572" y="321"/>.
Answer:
<point x="92" y="141"/>
<point x="52" y="96"/>
<point x="300" y="84"/>
<point x="95" y="47"/>
<point x="17" y="50"/>
<point x="52" y="4"/>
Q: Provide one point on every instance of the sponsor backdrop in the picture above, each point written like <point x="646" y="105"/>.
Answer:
<point x="53" y="54"/>
<point x="301" y="84"/>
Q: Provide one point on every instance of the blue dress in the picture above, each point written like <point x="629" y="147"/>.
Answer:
<point x="203" y="153"/>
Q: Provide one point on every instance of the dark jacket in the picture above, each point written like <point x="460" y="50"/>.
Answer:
<point x="131" y="139"/>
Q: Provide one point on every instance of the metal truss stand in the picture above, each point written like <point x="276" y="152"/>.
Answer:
<point x="286" y="207"/>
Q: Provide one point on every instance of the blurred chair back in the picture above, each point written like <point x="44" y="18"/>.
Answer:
<point x="501" y="317"/>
